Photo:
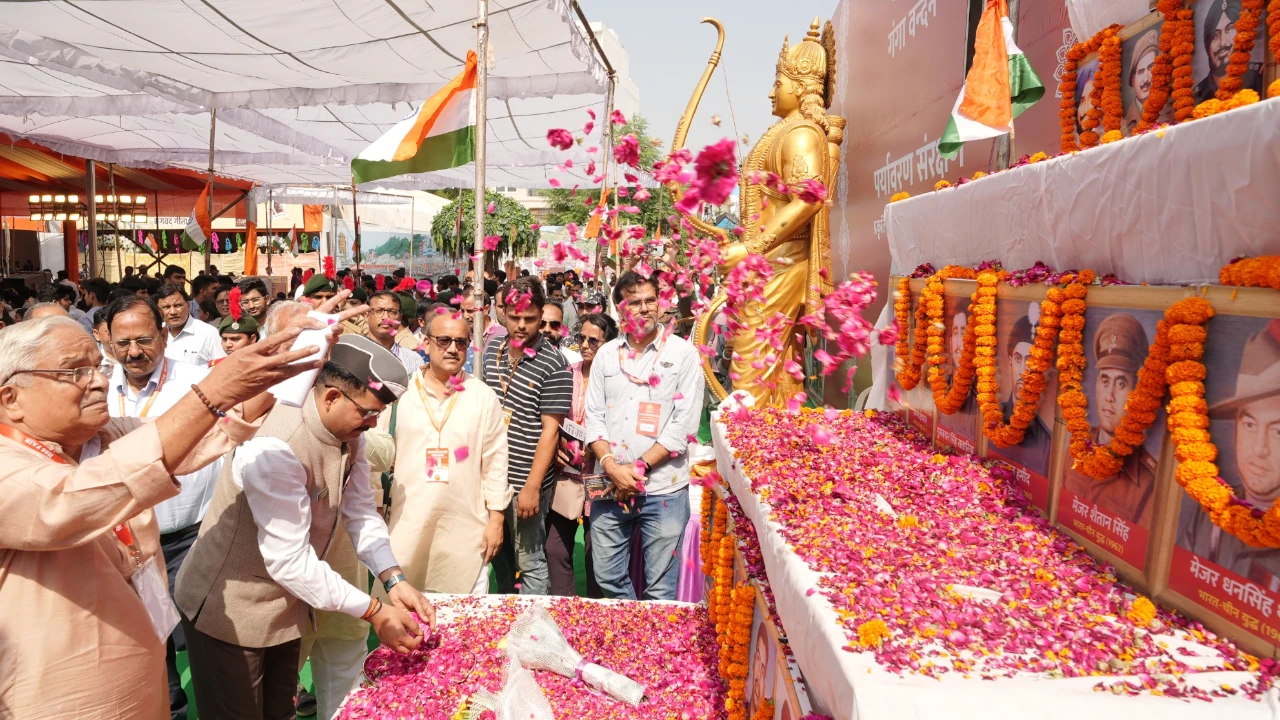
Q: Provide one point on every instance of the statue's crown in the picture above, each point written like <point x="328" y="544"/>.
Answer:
<point x="808" y="60"/>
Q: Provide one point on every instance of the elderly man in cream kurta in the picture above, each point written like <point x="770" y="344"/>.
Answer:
<point x="450" y="487"/>
<point x="76" y="488"/>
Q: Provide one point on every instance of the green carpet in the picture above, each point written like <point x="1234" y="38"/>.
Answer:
<point x="579" y="574"/>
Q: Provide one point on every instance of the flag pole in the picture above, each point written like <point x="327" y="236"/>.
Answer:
<point x="271" y="239"/>
<point x="355" y="214"/>
<point x="482" y="79"/>
<point x="411" y="237"/>
<point x="208" y="243"/>
<point x="114" y="204"/>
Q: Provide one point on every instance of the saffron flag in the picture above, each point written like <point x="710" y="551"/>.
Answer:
<point x="593" y="222"/>
<point x="440" y="135"/>
<point x="1000" y="85"/>
<point x="251" y="242"/>
<point x="199" y="228"/>
<point x="293" y="239"/>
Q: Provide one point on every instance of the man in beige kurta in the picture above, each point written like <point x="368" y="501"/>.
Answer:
<point x="447" y="507"/>
<point x="75" y="639"/>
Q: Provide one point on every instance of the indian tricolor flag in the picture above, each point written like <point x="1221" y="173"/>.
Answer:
<point x="1000" y="84"/>
<point x="199" y="227"/>
<point x="441" y="135"/>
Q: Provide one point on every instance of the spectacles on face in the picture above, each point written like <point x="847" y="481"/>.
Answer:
<point x="588" y="341"/>
<point x="143" y="343"/>
<point x="553" y="324"/>
<point x="384" y="312"/>
<point x="365" y="413"/>
<point x="81" y="376"/>
<point x="252" y="301"/>
<point x="223" y="303"/>
<point x="443" y="342"/>
<point x="642" y="302"/>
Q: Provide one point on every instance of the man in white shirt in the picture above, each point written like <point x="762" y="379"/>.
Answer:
<point x="146" y="385"/>
<point x="188" y="340"/>
<point x="249" y="585"/>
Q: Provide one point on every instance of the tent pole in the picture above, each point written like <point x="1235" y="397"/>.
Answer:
<point x="91" y="218"/>
<point x="608" y="156"/>
<point x="482" y="83"/>
<point x="355" y="215"/>
<point x="208" y="243"/>
<point x="271" y="239"/>
<point x="115" y="203"/>
<point x="411" y="238"/>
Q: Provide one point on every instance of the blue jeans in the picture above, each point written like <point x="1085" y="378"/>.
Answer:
<point x="524" y="549"/>
<point x="661" y="520"/>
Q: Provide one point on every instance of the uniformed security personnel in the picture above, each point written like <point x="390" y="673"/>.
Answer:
<point x="1119" y="348"/>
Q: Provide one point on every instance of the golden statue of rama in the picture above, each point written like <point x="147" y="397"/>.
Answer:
<point x="793" y="235"/>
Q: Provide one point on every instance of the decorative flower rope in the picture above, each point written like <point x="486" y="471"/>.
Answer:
<point x="948" y="399"/>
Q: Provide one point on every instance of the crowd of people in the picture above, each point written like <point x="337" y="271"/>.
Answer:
<point x="164" y="501"/>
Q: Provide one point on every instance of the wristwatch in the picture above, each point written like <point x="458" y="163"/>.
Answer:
<point x="393" y="581"/>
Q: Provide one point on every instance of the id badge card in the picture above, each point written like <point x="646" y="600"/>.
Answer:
<point x="506" y="416"/>
<point x="154" y="595"/>
<point x="438" y="465"/>
<point x="648" y="419"/>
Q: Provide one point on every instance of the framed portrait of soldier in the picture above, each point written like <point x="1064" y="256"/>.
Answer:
<point x="1137" y="57"/>
<point x="762" y="658"/>
<point x="1084" y="92"/>
<point x="1114" y="514"/>
<point x="958" y="431"/>
<point x="915" y="405"/>
<point x="1016" y="324"/>
<point x="1215" y="39"/>
<point x="1210" y="566"/>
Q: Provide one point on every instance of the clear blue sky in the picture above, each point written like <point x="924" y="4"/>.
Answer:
<point x="669" y="48"/>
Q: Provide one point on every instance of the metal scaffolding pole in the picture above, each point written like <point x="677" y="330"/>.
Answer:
<point x="482" y="81"/>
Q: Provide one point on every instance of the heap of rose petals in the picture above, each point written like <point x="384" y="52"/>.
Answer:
<point x="671" y="649"/>
<point x="1058" y="613"/>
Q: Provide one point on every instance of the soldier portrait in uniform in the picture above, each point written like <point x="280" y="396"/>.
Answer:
<point x="1084" y="91"/>
<point x="1215" y="28"/>
<point x="964" y="421"/>
<point x="760" y="664"/>
<point x="1243" y="391"/>
<point x="1013" y="348"/>
<point x="1138" y="56"/>
<point x="1114" y="352"/>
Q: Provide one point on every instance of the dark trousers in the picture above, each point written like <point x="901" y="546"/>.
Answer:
<point x="175" y="545"/>
<point x="242" y="683"/>
<point x="561" y="533"/>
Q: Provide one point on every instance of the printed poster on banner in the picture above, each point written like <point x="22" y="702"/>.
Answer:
<point x="958" y="431"/>
<point x="1212" y="567"/>
<point x="916" y="405"/>
<point x="1084" y="92"/>
<point x="1016" y="325"/>
<point x="1114" y="513"/>
<point x="762" y="660"/>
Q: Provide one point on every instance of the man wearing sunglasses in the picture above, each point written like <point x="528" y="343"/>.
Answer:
<point x="250" y="584"/>
<point x="449" y="490"/>
<point x="554" y="330"/>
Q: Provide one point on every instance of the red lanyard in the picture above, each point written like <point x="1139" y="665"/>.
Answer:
<point x="662" y="345"/>
<point x="121" y="531"/>
<point x="164" y="373"/>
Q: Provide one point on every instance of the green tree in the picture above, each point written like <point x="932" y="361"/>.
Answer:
<point x="567" y="206"/>
<point x="508" y="216"/>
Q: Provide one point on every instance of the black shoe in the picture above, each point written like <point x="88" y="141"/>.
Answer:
<point x="304" y="702"/>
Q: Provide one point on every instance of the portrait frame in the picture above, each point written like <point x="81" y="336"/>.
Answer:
<point x="1137" y="57"/>
<point x="1203" y="63"/>
<point x="957" y="432"/>
<point x="915" y="405"/>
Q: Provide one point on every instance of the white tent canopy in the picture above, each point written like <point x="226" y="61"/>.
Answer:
<point x="130" y="82"/>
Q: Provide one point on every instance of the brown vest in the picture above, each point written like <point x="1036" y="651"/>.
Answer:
<point x="223" y="586"/>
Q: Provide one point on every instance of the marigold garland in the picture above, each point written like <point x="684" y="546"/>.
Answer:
<point x="719" y="607"/>
<point x="1184" y="46"/>
<point x="1067" y="108"/>
<point x="1273" y="32"/>
<point x="1141" y="611"/>
<point x="734" y="650"/>
<point x="709" y="549"/>
<point x="704" y="536"/>
<point x="1005" y="434"/>
<point x="1103" y="461"/>
<point x="1189" y="428"/>
<point x="909" y="369"/>
<point x="1252" y="272"/>
<point x="764" y="711"/>
<point x="1213" y="105"/>
<point x="1107" y="86"/>
<point x="1241" y="50"/>
<point x="948" y="400"/>
<point x="1162" y="69"/>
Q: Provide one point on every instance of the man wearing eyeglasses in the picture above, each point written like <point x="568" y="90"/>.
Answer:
<point x="384" y="324"/>
<point x="449" y="492"/>
<point x="254" y="299"/>
<point x="249" y="586"/>
<point x="489" y="329"/>
<point x="85" y="614"/>
<point x="146" y="384"/>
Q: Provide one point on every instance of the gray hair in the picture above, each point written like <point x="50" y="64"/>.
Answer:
<point x="58" y="309"/>
<point x="20" y="344"/>
<point x="278" y="314"/>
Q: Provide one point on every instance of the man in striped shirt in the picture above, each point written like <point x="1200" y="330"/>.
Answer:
<point x="535" y="385"/>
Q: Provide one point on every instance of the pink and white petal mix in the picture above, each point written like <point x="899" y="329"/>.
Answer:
<point x="893" y="582"/>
